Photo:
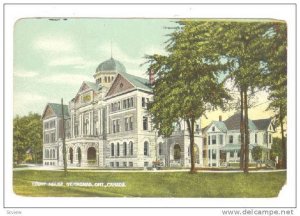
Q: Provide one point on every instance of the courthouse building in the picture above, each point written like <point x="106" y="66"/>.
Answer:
<point x="107" y="126"/>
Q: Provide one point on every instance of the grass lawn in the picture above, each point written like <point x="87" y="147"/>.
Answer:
<point x="152" y="184"/>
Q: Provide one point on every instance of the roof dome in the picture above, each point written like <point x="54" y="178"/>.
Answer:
<point x="111" y="65"/>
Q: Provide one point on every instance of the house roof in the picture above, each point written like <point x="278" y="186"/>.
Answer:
<point x="138" y="82"/>
<point x="233" y="122"/>
<point x="220" y="125"/>
<point x="262" y="124"/>
<point x="57" y="109"/>
<point x="111" y="65"/>
<point x="93" y="85"/>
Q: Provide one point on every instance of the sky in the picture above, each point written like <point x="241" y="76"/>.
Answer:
<point x="53" y="58"/>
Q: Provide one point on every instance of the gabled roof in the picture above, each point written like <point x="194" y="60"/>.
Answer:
<point x="57" y="109"/>
<point x="131" y="82"/>
<point x="233" y="122"/>
<point x="93" y="85"/>
<point x="262" y="124"/>
<point x="138" y="82"/>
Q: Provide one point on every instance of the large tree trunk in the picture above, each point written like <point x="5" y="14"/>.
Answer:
<point x="242" y="131"/>
<point x="283" y="141"/>
<point x="191" y="124"/>
<point x="246" y="166"/>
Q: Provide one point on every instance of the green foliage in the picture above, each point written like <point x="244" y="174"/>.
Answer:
<point x="276" y="149"/>
<point x="256" y="153"/>
<point x="158" y="184"/>
<point x="27" y="138"/>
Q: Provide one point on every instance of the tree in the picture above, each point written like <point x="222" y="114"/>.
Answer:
<point x="276" y="150"/>
<point x="245" y="44"/>
<point x="256" y="153"/>
<point x="277" y="80"/>
<point x="187" y="83"/>
<point x="27" y="138"/>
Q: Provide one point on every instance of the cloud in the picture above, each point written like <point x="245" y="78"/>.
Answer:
<point x="24" y="101"/>
<point x="67" y="79"/>
<point x="76" y="62"/>
<point x="119" y="54"/>
<point x="54" y="44"/>
<point x="25" y="73"/>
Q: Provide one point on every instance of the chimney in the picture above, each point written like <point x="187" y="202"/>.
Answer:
<point x="220" y="118"/>
<point x="151" y="77"/>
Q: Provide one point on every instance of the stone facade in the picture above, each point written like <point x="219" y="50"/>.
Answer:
<point x="107" y="125"/>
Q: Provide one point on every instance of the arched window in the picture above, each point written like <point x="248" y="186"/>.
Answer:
<point x="105" y="79"/>
<point x="160" y="148"/>
<point x="91" y="155"/>
<point x="118" y="149"/>
<point x="71" y="155"/>
<point x="108" y="79"/>
<point x="131" y="148"/>
<point x="100" y="80"/>
<point x="112" y="149"/>
<point x="124" y="148"/>
<point x="146" y="148"/>
<point x="79" y="154"/>
<point x="112" y="78"/>
<point x="177" y="152"/>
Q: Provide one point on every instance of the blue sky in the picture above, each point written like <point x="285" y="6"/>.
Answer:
<point x="53" y="58"/>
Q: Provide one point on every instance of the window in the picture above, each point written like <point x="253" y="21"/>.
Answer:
<point x="47" y="153"/>
<point x="105" y="79"/>
<point x="131" y="102"/>
<point x="47" y="138"/>
<point x="213" y="128"/>
<point x="108" y="79"/>
<point x="131" y="148"/>
<point x="112" y="164"/>
<point x="239" y="137"/>
<point x="118" y="125"/>
<point x="255" y="138"/>
<point x="117" y="164"/>
<point x="265" y="138"/>
<point x="124" y="148"/>
<point x="213" y="155"/>
<point x="124" y="164"/>
<point x="118" y="149"/>
<point x="52" y="138"/>
<point x="214" y="139"/>
<point x="221" y="139"/>
<point x="146" y="148"/>
<point x="131" y="164"/>
<point x="145" y="123"/>
<point x="230" y="139"/>
<point x="100" y="80"/>
<point x="126" y="124"/>
<point x="46" y="125"/>
<point x="130" y="123"/>
<point x="146" y="164"/>
<point x="143" y="102"/>
<point x="160" y="148"/>
<point x="112" y="78"/>
<point x="112" y="149"/>
<point x="231" y="153"/>
<point x="125" y="104"/>
<point x="208" y="140"/>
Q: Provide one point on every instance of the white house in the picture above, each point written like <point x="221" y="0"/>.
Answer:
<point x="222" y="139"/>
